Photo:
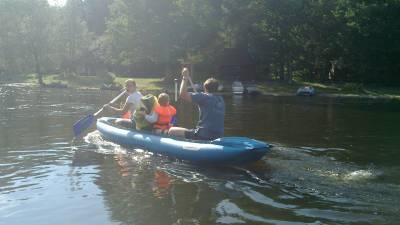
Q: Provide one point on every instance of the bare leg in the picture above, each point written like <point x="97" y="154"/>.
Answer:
<point x="159" y="131"/>
<point x="177" y="131"/>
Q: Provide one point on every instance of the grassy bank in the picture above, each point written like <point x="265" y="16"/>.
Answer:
<point x="19" y="78"/>
<point x="93" y="82"/>
<point x="85" y="82"/>
<point x="269" y="88"/>
<point x="334" y="89"/>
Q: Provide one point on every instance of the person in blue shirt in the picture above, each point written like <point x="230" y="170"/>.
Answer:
<point x="212" y="111"/>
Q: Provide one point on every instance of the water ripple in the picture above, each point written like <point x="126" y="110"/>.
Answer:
<point x="230" y="213"/>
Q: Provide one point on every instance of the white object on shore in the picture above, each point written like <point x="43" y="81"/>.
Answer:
<point x="305" y="91"/>
<point x="237" y="87"/>
<point x="220" y="87"/>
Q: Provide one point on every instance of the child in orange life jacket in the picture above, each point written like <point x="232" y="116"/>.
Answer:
<point x="165" y="113"/>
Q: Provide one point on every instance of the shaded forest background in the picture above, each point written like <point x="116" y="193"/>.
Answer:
<point x="311" y="40"/>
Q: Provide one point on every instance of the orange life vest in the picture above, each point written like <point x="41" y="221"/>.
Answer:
<point x="127" y="115"/>
<point x="165" y="114"/>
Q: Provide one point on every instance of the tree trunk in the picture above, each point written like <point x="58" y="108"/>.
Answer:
<point x="289" y="74"/>
<point x="39" y="75"/>
<point x="281" y="71"/>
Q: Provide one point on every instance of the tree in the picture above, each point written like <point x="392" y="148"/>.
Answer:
<point x="24" y="35"/>
<point x="35" y="33"/>
<point x="74" y="39"/>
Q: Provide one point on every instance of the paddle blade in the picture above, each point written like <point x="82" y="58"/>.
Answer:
<point x="83" y="124"/>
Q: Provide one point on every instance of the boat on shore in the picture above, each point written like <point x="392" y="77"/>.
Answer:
<point x="221" y="151"/>
<point x="237" y="88"/>
<point x="305" y="91"/>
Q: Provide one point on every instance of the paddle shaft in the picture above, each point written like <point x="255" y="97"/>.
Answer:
<point x="112" y="101"/>
<point x="176" y="89"/>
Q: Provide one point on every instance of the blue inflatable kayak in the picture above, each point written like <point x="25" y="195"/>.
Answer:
<point x="227" y="150"/>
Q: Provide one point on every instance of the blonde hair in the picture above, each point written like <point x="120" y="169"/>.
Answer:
<point x="130" y="81"/>
<point x="163" y="99"/>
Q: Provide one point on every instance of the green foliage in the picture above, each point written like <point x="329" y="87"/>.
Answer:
<point x="109" y="78"/>
<point x="353" y="88"/>
<point x="308" y="40"/>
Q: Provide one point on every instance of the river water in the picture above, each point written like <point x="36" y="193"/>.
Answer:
<point x="334" y="161"/>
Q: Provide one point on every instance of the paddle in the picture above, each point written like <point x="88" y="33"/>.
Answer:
<point x="191" y="84"/>
<point x="87" y="121"/>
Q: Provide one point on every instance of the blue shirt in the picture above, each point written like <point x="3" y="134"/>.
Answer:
<point x="212" y="114"/>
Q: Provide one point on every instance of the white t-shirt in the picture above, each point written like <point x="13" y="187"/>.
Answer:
<point x="134" y="99"/>
<point x="152" y="117"/>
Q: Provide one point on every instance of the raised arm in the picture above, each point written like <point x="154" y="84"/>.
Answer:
<point x="183" y="93"/>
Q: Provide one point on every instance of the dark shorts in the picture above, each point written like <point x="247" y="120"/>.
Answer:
<point x="198" y="134"/>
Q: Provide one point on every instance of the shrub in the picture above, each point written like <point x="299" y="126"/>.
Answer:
<point x="108" y="78"/>
<point x="353" y="87"/>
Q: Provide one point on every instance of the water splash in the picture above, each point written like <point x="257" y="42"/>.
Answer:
<point x="359" y="175"/>
<point x="99" y="145"/>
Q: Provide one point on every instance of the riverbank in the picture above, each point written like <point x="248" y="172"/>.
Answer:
<point x="344" y="90"/>
<point x="86" y="82"/>
<point x="350" y="90"/>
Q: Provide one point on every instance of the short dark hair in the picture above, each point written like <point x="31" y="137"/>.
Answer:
<point x="211" y="85"/>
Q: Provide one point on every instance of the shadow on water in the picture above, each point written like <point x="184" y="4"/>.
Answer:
<point x="333" y="162"/>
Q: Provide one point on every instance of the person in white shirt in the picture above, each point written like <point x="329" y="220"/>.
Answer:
<point x="131" y="104"/>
